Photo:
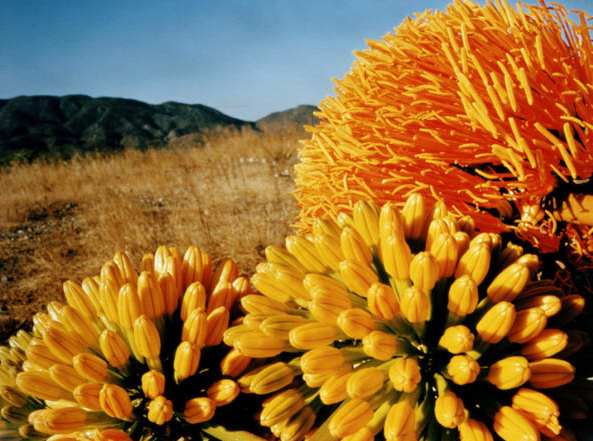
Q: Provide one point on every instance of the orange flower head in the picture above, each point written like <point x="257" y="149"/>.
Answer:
<point x="488" y="109"/>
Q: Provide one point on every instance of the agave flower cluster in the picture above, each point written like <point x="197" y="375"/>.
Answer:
<point x="408" y="325"/>
<point x="488" y="108"/>
<point x="129" y="355"/>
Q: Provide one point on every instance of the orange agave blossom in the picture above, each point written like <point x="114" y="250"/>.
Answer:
<point x="486" y="108"/>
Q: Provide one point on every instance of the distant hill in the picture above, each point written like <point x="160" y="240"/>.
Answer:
<point x="50" y="126"/>
<point x="297" y="116"/>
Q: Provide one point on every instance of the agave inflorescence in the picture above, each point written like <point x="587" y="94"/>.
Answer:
<point x="129" y="356"/>
<point x="409" y="325"/>
<point x="487" y="108"/>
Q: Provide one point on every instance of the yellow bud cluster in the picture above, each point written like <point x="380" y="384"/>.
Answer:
<point x="101" y="362"/>
<point x="387" y="315"/>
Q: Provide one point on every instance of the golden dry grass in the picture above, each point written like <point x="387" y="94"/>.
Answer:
<point x="231" y="197"/>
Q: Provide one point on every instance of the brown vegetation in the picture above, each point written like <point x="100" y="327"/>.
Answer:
<point x="231" y="197"/>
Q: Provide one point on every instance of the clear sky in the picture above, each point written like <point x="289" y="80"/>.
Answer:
<point x="246" y="58"/>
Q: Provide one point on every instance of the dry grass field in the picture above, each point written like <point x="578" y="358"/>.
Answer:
<point x="231" y="197"/>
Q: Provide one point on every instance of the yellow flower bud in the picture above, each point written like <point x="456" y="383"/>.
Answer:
<point x="223" y="294"/>
<point x="400" y="423"/>
<point x="548" y="343"/>
<point x="40" y="385"/>
<point x="463" y="296"/>
<point x="13" y="396"/>
<point x="14" y="415"/>
<point x="321" y="360"/>
<point x="474" y="430"/>
<point x="415" y="305"/>
<point x="511" y="425"/>
<point x="362" y="434"/>
<point x="531" y="261"/>
<point x="350" y="417"/>
<point x="194" y="327"/>
<point x="216" y="323"/>
<point x="382" y="301"/>
<point x="193" y="298"/>
<point x="354" y="247"/>
<point x="281" y="407"/>
<point x="327" y="304"/>
<point x="463" y="369"/>
<point x="414" y="213"/>
<point x="509" y="372"/>
<point x="147" y="263"/>
<point x="550" y="304"/>
<point x="449" y="410"/>
<point x="262" y="305"/>
<point x="65" y="376"/>
<point x="110" y="435"/>
<point x="160" y="410"/>
<point x="457" y="339"/>
<point x="110" y="271"/>
<point x="62" y="344"/>
<point x="365" y="215"/>
<point x="508" y="283"/>
<point x="151" y="296"/>
<point x="356" y="323"/>
<point x="528" y="324"/>
<point x="365" y="382"/>
<point x="234" y="363"/>
<point x="572" y="306"/>
<point x="92" y="290"/>
<point x="334" y="389"/>
<point x="317" y="380"/>
<point x="126" y="268"/>
<point x="129" y="307"/>
<point x="382" y="345"/>
<point x="396" y="256"/>
<point x="114" y="349"/>
<point x="79" y="300"/>
<point x="87" y="395"/>
<point x="298" y="425"/>
<point x="462" y="239"/>
<point x="280" y="256"/>
<point x="192" y="268"/>
<point x="186" y="361"/>
<point x="497" y="322"/>
<point x="272" y="378"/>
<point x="223" y="392"/>
<point x="290" y="281"/>
<point x="358" y="277"/>
<point x="79" y="325"/>
<point x="539" y="409"/>
<point x="550" y="373"/>
<point x="312" y="335"/>
<point x="279" y="325"/>
<point x="446" y="252"/>
<point x="146" y="337"/>
<point x="108" y="291"/>
<point x="91" y="367"/>
<point x="329" y="249"/>
<point x="115" y="401"/>
<point x="171" y="292"/>
<point x="38" y="353"/>
<point x="199" y="410"/>
<point x="424" y="271"/>
<point x="405" y="374"/>
<point x="153" y="383"/>
<point x="305" y="253"/>
<point x="475" y="262"/>
<point x="436" y="227"/>
<point x="256" y="345"/>
<point x="64" y="420"/>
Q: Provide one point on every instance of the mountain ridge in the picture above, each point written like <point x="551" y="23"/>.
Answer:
<point x="63" y="126"/>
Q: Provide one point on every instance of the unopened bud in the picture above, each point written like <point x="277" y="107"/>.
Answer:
<point x="508" y="283"/>
<point x="509" y="372"/>
<point x="87" y="395"/>
<point x="350" y="417"/>
<point x="400" y="423"/>
<point x="281" y="407"/>
<point x="550" y="373"/>
<point x="449" y="410"/>
<point x="234" y="363"/>
<point x="528" y="324"/>
<point x="354" y="247"/>
<point x="358" y="277"/>
<point x="365" y="382"/>
<point x="539" y="408"/>
<point x="223" y="392"/>
<point x="405" y="374"/>
<point x="160" y="410"/>
<point x="356" y="323"/>
<point x="66" y="376"/>
<point x="334" y="389"/>
<point x="305" y="253"/>
<point x="382" y="345"/>
<point x="115" y="401"/>
<point x="463" y="369"/>
<point x="474" y="430"/>
<point x="114" y="349"/>
<point x="153" y="383"/>
<point x="187" y="360"/>
<point x="312" y="335"/>
<point x="497" y="322"/>
<point x="382" y="301"/>
<point x="90" y="367"/>
<point x="415" y="305"/>
<point x="321" y="360"/>
<point x="272" y="378"/>
<point x="199" y="410"/>
<point x="256" y="345"/>
<point x="475" y="262"/>
<point x="146" y="337"/>
<point x="463" y="296"/>
<point x="457" y="339"/>
<point x="193" y="298"/>
<point x="511" y="425"/>
<point x="446" y="252"/>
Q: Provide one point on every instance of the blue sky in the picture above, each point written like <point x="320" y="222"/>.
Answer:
<point x="246" y="58"/>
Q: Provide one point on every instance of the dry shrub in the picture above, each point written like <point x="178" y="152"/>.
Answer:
<point x="230" y="196"/>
